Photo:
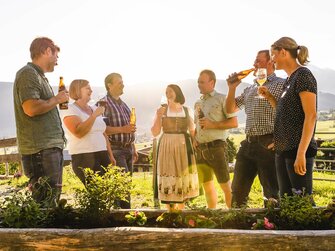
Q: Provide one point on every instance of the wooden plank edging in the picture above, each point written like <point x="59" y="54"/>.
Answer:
<point x="141" y="238"/>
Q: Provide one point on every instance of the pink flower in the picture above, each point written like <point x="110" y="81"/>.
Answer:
<point x="267" y="224"/>
<point x="30" y="187"/>
<point x="191" y="222"/>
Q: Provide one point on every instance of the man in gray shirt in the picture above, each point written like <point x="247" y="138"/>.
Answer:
<point x="210" y="138"/>
<point x="39" y="130"/>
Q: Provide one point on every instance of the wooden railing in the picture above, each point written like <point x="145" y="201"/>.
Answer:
<point x="327" y="164"/>
<point x="15" y="157"/>
<point x="8" y="158"/>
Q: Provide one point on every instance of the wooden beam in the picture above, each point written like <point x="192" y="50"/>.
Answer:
<point x="8" y="142"/>
<point x="10" y="158"/>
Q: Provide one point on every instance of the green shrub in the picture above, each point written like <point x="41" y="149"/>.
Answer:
<point x="232" y="150"/>
<point x="20" y="211"/>
<point x="101" y="192"/>
<point x="297" y="212"/>
<point x="136" y="218"/>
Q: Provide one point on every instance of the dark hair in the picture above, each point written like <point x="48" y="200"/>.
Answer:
<point x="40" y="44"/>
<point x="266" y="52"/>
<point x="179" y="94"/>
<point x="210" y="74"/>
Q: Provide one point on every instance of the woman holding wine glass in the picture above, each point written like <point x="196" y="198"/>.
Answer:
<point x="296" y="113"/>
<point x="87" y="141"/>
<point x="176" y="169"/>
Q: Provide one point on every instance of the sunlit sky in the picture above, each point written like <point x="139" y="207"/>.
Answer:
<point x="157" y="40"/>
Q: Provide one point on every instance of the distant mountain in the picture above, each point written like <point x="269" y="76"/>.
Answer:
<point x="325" y="78"/>
<point x="146" y="98"/>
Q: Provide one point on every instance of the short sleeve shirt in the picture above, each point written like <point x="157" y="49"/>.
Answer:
<point x="213" y="106"/>
<point x="290" y="115"/>
<point x="42" y="131"/>
<point x="94" y="140"/>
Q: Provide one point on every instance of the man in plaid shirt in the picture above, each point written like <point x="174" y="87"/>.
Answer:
<point x="256" y="154"/>
<point x="119" y="130"/>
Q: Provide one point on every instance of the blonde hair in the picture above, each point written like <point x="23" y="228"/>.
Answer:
<point x="296" y="51"/>
<point x="75" y="86"/>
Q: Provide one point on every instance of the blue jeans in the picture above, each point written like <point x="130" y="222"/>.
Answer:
<point x="46" y="163"/>
<point x="124" y="158"/>
<point x="288" y="179"/>
<point x="252" y="159"/>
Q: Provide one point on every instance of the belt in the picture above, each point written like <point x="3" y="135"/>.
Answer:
<point x="121" y="144"/>
<point x="257" y="138"/>
<point x="217" y="142"/>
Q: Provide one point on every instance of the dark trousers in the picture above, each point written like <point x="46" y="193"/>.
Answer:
<point x="124" y="158"/>
<point x="47" y="163"/>
<point x="95" y="161"/>
<point x="289" y="180"/>
<point x="253" y="158"/>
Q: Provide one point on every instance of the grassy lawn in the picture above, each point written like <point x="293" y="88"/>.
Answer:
<point x="142" y="193"/>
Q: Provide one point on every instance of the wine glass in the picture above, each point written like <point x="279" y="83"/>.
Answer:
<point x="261" y="77"/>
<point x="164" y="101"/>
<point x="102" y="101"/>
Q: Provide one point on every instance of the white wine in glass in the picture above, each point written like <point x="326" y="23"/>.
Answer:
<point x="164" y="101"/>
<point x="261" y="77"/>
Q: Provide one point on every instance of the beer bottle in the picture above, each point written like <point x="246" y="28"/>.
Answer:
<point x="132" y="116"/>
<point x="240" y="75"/>
<point x="61" y="87"/>
<point x="200" y="114"/>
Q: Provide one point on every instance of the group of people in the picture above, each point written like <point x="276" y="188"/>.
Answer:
<point x="279" y="146"/>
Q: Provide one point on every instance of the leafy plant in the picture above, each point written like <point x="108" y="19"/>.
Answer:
<point x="44" y="194"/>
<point x="232" y="150"/>
<point x="20" y="211"/>
<point x="171" y="219"/>
<point x="297" y="212"/>
<point x="136" y="218"/>
<point x="235" y="218"/>
<point x="263" y="224"/>
<point x="199" y="221"/>
<point x="101" y="192"/>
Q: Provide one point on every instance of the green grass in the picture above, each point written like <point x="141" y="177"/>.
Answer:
<point x="323" y="192"/>
<point x="142" y="193"/>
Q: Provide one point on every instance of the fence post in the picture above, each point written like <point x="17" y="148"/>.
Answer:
<point x="6" y="165"/>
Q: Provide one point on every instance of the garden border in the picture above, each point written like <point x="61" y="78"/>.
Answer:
<point x="142" y="238"/>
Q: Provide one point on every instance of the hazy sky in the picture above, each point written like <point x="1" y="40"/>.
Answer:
<point x="154" y="40"/>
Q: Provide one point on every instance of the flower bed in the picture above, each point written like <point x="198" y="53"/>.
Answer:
<point x="27" y="225"/>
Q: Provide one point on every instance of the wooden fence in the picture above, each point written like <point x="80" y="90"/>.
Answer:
<point x="15" y="157"/>
<point x="8" y="157"/>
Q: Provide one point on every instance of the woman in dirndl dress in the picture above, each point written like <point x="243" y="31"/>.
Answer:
<point x="177" y="177"/>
